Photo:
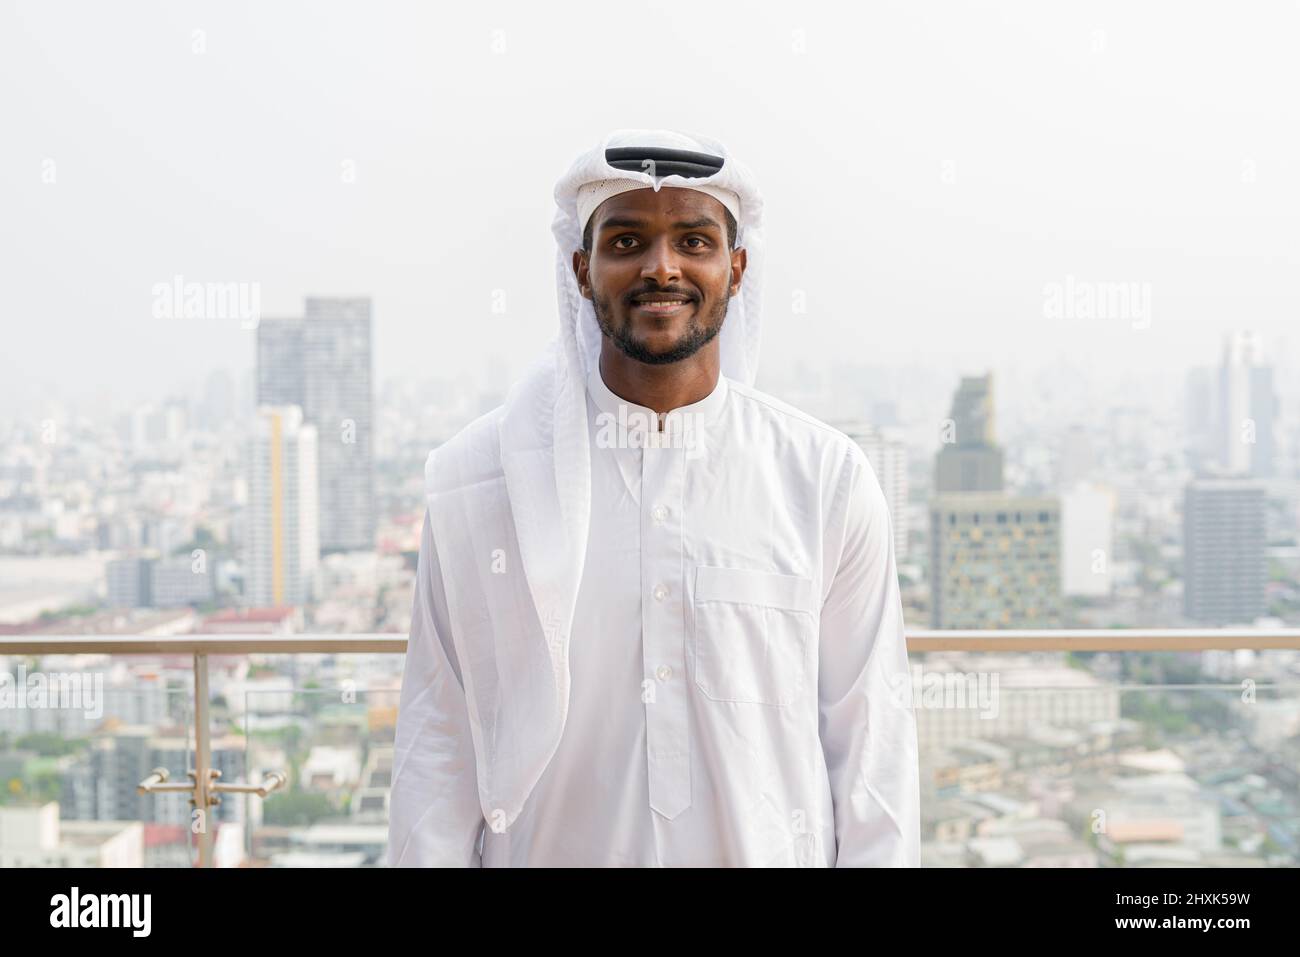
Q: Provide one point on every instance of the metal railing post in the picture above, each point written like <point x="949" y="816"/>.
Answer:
<point x="202" y="760"/>
<point x="205" y="788"/>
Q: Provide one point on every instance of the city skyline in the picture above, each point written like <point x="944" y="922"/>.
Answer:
<point x="1129" y="158"/>
<point x="1034" y="262"/>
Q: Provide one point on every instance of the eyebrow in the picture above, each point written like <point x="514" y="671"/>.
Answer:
<point x="626" y="222"/>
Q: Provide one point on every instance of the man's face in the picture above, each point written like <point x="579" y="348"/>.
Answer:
<point x="659" y="273"/>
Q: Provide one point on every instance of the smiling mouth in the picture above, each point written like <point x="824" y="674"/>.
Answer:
<point x="663" y="307"/>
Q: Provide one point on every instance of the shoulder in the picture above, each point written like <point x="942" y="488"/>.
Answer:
<point x="471" y="455"/>
<point x="848" y="477"/>
<point x="800" y="427"/>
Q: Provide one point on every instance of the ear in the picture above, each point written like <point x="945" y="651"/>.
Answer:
<point x="581" y="268"/>
<point x="739" y="261"/>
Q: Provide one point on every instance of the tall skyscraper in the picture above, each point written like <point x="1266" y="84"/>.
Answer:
<point x="279" y="362"/>
<point x="1087" y="533"/>
<point x="1199" y="417"/>
<point x="323" y="364"/>
<point x="971" y="459"/>
<point x="1077" y="458"/>
<point x="994" y="561"/>
<point x="1224" y="566"/>
<point x="217" y="407"/>
<point x="887" y="453"/>
<point x="283" y="534"/>
<point x="1246" y="408"/>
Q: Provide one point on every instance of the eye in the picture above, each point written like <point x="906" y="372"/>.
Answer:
<point x="620" y="239"/>
<point x="699" y="239"/>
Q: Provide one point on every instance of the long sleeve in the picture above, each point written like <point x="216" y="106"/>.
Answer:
<point x="435" y="819"/>
<point x="867" y="722"/>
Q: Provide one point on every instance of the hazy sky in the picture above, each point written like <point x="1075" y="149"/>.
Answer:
<point x="928" y="168"/>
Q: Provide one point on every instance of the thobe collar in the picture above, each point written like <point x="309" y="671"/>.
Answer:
<point x="640" y="418"/>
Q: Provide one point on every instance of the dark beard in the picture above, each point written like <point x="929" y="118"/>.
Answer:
<point x="698" y="335"/>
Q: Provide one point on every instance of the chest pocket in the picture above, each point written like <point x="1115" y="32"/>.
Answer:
<point x="754" y="635"/>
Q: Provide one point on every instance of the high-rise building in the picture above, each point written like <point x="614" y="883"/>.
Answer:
<point x="1077" y="458"/>
<point x="102" y="783"/>
<point x="217" y="406"/>
<point x="1224" y="566"/>
<point x="1025" y="702"/>
<point x="1087" y="533"/>
<point x="129" y="582"/>
<point x="154" y="425"/>
<point x="1199" y="417"/>
<point x="181" y="580"/>
<point x="153" y="582"/>
<point x="994" y="561"/>
<point x="971" y="459"/>
<point x="283" y="535"/>
<point x="1247" y="408"/>
<point x="322" y="363"/>
<point x="887" y="453"/>
<point x="337" y="400"/>
<point x="279" y="362"/>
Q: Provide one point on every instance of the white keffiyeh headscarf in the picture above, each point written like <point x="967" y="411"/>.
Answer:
<point x="591" y="180"/>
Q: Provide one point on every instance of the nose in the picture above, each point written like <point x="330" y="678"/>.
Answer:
<point x="661" y="262"/>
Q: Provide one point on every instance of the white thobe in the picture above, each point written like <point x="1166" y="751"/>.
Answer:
<point x="739" y="693"/>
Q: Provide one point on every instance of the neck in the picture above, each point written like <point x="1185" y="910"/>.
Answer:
<point x="661" y="388"/>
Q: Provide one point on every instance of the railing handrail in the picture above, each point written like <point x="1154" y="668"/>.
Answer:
<point x="376" y="643"/>
<point x="1106" y="639"/>
<point x="1012" y="640"/>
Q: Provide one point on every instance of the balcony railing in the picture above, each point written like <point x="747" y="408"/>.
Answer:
<point x="1064" y="639"/>
<point x="204" y="786"/>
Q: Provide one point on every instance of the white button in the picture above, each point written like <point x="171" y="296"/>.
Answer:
<point x="661" y="592"/>
<point x="664" y="673"/>
<point x="659" y="513"/>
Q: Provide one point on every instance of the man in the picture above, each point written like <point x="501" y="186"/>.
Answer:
<point x="657" y="618"/>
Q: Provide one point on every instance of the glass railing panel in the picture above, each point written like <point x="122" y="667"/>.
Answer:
<point x="335" y="742"/>
<point x="78" y="734"/>
<point x="1109" y="760"/>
